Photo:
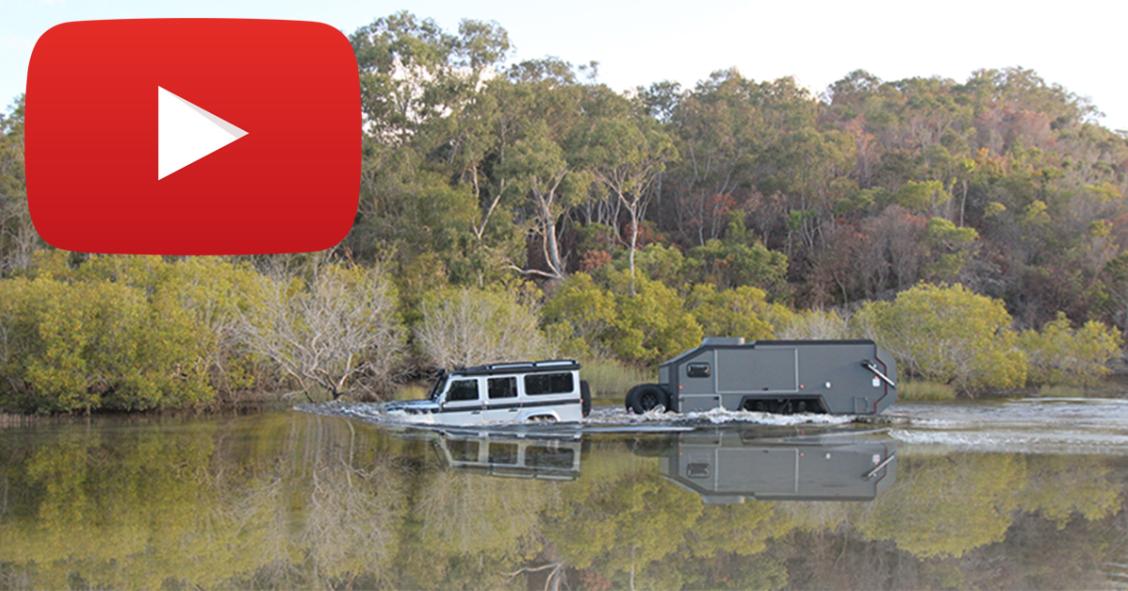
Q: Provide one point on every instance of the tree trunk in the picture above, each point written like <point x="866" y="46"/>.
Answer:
<point x="552" y="246"/>
<point x="633" y="245"/>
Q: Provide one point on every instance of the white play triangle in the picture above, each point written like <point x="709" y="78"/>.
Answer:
<point x="186" y="133"/>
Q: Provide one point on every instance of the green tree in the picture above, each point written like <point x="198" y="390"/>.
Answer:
<point x="651" y="323"/>
<point x="1061" y="354"/>
<point x="734" y="261"/>
<point x="89" y="345"/>
<point x="627" y="152"/>
<point x="580" y="315"/>
<point x="948" y="334"/>
<point x="951" y="247"/>
<point x="739" y="312"/>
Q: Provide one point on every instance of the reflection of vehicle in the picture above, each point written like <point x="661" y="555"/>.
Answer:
<point x="726" y="466"/>
<point x="838" y="377"/>
<point x="548" y="391"/>
<point x="508" y="455"/>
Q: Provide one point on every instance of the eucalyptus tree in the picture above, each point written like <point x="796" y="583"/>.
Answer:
<point x="543" y="166"/>
<point x="627" y="151"/>
<point x="720" y="132"/>
<point x="18" y="238"/>
<point x="424" y="132"/>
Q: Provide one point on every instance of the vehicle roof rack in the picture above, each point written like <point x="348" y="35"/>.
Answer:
<point x="519" y="366"/>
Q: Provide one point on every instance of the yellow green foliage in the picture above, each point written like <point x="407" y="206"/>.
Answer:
<point x="922" y="390"/>
<point x="611" y="379"/>
<point x="948" y="334"/>
<point x="648" y="325"/>
<point x="1062" y="355"/>
<point x="651" y="324"/>
<point x="579" y="315"/>
<point x="815" y="324"/>
<point x="952" y="246"/>
<point x="732" y="312"/>
<point x="97" y="344"/>
<point x="922" y="196"/>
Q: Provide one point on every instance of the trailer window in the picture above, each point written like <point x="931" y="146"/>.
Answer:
<point x="462" y="390"/>
<point x="548" y="383"/>
<point x="503" y="387"/>
<point x="698" y="370"/>
<point x="697" y="470"/>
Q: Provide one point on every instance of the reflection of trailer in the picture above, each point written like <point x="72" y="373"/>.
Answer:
<point x="724" y="467"/>
<point x="512" y="456"/>
<point x="838" y="377"/>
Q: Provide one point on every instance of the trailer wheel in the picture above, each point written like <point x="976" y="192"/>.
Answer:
<point x="644" y="398"/>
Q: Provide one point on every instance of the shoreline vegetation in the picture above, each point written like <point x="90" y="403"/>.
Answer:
<point x="977" y="230"/>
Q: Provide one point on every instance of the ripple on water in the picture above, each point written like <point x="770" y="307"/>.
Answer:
<point x="1030" y="425"/>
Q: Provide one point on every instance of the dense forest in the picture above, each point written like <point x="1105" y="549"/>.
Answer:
<point x="512" y="209"/>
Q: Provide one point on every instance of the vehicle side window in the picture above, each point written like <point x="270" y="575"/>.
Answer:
<point x="698" y="370"/>
<point x="548" y="383"/>
<point x="547" y="457"/>
<point x="503" y="387"/>
<point x="463" y="451"/>
<point x="503" y="453"/>
<point x="462" y="390"/>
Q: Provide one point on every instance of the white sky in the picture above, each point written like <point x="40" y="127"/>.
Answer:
<point x="1079" y="44"/>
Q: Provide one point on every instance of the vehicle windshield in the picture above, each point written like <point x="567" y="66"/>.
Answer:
<point x="437" y="388"/>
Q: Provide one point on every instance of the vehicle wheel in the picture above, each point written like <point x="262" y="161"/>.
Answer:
<point x="585" y="398"/>
<point x="543" y="419"/>
<point x="647" y="397"/>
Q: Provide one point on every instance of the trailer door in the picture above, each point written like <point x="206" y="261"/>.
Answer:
<point x="764" y="369"/>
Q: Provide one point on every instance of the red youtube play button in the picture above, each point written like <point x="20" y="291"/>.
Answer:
<point x="185" y="136"/>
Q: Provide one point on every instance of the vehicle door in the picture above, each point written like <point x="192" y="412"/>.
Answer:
<point x="501" y="399"/>
<point x="462" y="404"/>
<point x="551" y="394"/>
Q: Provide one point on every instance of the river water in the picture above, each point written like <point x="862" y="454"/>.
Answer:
<point x="1025" y="494"/>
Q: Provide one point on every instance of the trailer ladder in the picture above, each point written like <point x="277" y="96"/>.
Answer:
<point x="877" y="372"/>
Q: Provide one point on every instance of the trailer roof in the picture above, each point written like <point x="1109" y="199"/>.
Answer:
<point x="706" y="346"/>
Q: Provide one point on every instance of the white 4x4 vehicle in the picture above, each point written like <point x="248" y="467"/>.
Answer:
<point x="549" y="391"/>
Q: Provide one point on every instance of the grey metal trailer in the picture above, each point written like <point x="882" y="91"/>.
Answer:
<point x="726" y="466"/>
<point x="837" y="377"/>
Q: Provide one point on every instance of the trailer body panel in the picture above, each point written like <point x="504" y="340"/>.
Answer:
<point x="838" y="377"/>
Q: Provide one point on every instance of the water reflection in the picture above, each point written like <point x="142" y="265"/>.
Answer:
<point x="730" y="466"/>
<point x="505" y="455"/>
<point x="722" y="466"/>
<point x="293" y="500"/>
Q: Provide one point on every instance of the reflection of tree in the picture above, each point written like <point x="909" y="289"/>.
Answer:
<point x="295" y="501"/>
<point x="465" y="514"/>
<point x="622" y="527"/>
<point x="352" y="512"/>
<point x="1061" y="486"/>
<point x="743" y="529"/>
<point x="138" y="506"/>
<point x="948" y="505"/>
